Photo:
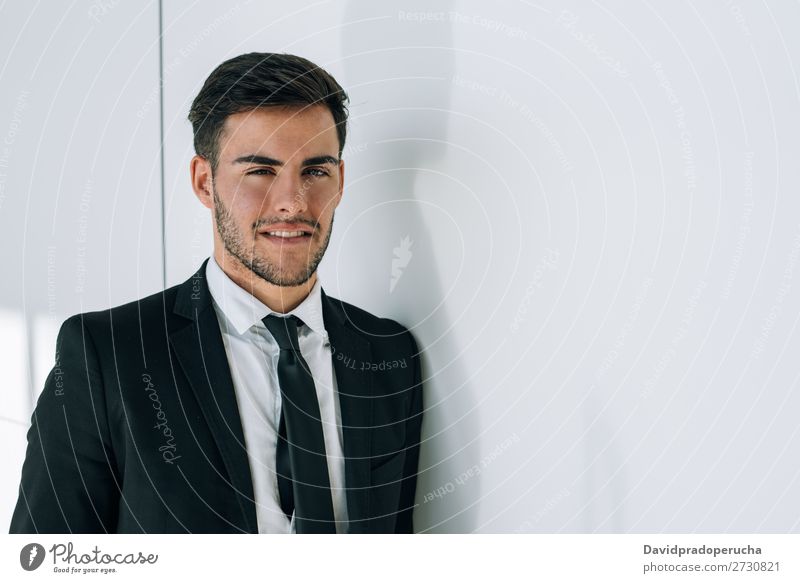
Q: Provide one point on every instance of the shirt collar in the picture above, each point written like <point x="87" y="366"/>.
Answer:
<point x="244" y="310"/>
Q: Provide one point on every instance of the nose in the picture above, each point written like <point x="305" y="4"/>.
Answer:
<point x="287" y="194"/>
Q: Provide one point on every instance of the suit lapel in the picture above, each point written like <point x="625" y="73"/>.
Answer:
<point x="349" y="350"/>
<point x="202" y="356"/>
<point x="201" y="353"/>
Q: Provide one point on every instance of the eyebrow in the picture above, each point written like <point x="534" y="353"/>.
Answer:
<point x="267" y="161"/>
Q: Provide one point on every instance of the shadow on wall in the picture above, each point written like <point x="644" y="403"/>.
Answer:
<point x="398" y="68"/>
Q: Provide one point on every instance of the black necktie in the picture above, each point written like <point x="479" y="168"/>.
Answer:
<point x="301" y="462"/>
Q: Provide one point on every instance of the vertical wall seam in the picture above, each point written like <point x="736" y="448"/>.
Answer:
<point x="161" y="140"/>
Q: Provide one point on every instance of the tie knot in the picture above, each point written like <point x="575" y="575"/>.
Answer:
<point x="284" y="330"/>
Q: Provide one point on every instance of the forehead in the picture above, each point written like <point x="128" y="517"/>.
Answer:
<point x="279" y="131"/>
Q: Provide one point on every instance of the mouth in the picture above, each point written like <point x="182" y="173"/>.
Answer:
<point x="282" y="237"/>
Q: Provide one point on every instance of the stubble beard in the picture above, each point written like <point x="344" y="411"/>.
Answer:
<point x="235" y="244"/>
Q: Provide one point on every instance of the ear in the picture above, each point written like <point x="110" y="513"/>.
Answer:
<point x="200" y="172"/>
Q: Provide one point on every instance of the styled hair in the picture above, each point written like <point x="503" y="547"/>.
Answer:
<point x="254" y="80"/>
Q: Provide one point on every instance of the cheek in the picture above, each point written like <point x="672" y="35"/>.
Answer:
<point x="323" y="216"/>
<point x="247" y="203"/>
<point x="249" y="190"/>
<point x="323" y="205"/>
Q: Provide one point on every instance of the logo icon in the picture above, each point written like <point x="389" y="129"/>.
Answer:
<point x="402" y="255"/>
<point x="31" y="556"/>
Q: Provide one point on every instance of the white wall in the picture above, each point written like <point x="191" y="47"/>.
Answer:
<point x="599" y="202"/>
<point x="80" y="196"/>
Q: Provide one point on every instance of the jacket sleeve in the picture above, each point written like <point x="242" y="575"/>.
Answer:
<point x="69" y="482"/>
<point x="404" y="522"/>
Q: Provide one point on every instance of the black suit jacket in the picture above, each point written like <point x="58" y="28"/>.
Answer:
<point x="138" y="428"/>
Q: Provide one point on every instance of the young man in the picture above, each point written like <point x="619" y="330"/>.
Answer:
<point x="244" y="399"/>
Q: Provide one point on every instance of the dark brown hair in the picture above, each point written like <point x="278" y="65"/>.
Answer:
<point x="257" y="80"/>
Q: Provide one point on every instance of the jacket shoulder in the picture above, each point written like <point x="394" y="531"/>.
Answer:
<point x="376" y="328"/>
<point x="366" y="321"/>
<point x="154" y="307"/>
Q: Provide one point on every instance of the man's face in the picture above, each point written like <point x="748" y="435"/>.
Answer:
<point x="275" y="190"/>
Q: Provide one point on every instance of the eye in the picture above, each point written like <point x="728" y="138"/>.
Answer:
<point x="317" y="172"/>
<point x="260" y="172"/>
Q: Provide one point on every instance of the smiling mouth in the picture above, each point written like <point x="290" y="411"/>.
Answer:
<point x="286" y="236"/>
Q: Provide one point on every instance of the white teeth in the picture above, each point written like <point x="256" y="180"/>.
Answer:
<point x="286" y="234"/>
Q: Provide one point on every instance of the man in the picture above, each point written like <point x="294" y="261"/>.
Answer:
<point x="244" y="399"/>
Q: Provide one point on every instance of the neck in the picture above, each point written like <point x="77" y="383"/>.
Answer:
<point x="281" y="299"/>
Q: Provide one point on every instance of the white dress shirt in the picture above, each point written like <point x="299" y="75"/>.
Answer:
<point x="253" y="358"/>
